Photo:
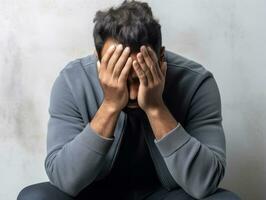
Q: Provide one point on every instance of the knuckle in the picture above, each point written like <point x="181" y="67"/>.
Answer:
<point x="152" y="66"/>
<point x="100" y="77"/>
<point x="145" y="82"/>
<point x="112" y="84"/>
<point x="141" y="61"/>
<point x="104" y="81"/>
<point x="118" y="52"/>
<point x="141" y="74"/>
<point x="142" y="51"/>
<point x="104" y="60"/>
<point x="110" y="65"/>
<point x="122" y="74"/>
<point x="118" y="64"/>
<point x="120" y="87"/>
<point x="145" y="55"/>
<point x="115" y="72"/>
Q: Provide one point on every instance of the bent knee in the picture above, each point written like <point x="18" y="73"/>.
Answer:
<point x="222" y="194"/>
<point x="32" y="192"/>
<point x="42" y="191"/>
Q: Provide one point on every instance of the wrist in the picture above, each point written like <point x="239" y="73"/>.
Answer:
<point x="157" y="111"/>
<point x="103" y="123"/>
<point x="109" y="108"/>
<point x="162" y="121"/>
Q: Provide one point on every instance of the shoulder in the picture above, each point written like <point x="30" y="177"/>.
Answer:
<point x="179" y="62"/>
<point x="80" y="71"/>
<point x="80" y="82"/>
<point x="184" y="77"/>
<point x="184" y="73"/>
<point x="77" y="66"/>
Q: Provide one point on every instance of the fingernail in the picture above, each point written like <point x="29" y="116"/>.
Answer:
<point x="127" y="49"/>
<point x="112" y="47"/>
<point x="120" y="46"/>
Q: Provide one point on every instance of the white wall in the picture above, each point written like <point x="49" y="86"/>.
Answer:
<point x="37" y="38"/>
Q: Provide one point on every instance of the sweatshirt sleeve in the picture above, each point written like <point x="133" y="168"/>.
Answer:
<point x="195" y="154"/>
<point x="75" y="153"/>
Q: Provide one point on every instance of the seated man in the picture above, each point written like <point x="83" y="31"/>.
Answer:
<point x="132" y="120"/>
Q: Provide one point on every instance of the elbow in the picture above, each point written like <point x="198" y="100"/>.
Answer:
<point x="64" y="183"/>
<point x="69" y="189"/>
<point x="201" y="191"/>
<point x="207" y="187"/>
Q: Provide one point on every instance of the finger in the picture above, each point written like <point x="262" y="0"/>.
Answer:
<point x="146" y="56"/>
<point x="114" y="57"/>
<point x="145" y="68"/>
<point x="126" y="70"/>
<point x="152" y="64"/>
<point x="140" y="73"/>
<point x="121" y="62"/>
<point x="107" y="56"/>
<point x="155" y="59"/>
<point x="152" y="54"/>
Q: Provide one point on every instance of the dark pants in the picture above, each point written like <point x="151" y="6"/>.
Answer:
<point x="46" y="191"/>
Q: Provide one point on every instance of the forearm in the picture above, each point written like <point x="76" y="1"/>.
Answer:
<point x="104" y="121"/>
<point x="197" y="168"/>
<point x="72" y="165"/>
<point x="189" y="161"/>
<point x="161" y="121"/>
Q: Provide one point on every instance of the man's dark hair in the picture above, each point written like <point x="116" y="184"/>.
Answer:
<point x="131" y="24"/>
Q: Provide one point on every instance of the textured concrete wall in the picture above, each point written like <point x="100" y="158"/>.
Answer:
<point x="37" y="38"/>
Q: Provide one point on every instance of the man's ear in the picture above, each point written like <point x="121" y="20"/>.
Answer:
<point x="98" y="66"/>
<point x="162" y="51"/>
<point x="96" y="53"/>
<point x="162" y="61"/>
<point x="98" y="61"/>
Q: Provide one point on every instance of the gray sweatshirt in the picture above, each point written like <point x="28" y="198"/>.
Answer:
<point x="191" y="156"/>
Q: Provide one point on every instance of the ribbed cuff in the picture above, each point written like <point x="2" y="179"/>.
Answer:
<point x="175" y="139"/>
<point x="94" y="141"/>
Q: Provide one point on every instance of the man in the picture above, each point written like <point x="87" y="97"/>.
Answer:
<point x="133" y="121"/>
